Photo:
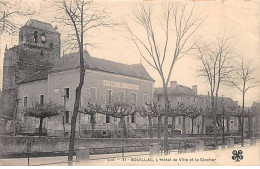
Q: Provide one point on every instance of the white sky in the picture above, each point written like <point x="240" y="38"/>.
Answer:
<point x="239" y="18"/>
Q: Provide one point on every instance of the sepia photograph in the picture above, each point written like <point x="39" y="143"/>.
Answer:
<point x="129" y="82"/>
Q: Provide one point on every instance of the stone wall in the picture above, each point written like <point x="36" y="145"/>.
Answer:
<point x="18" y="145"/>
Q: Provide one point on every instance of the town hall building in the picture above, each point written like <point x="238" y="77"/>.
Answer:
<point x="35" y="72"/>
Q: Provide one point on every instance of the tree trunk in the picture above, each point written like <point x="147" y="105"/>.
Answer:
<point x="240" y="123"/>
<point x="227" y="123"/>
<point x="183" y="126"/>
<point x="92" y="116"/>
<point x="214" y="118"/>
<point x="173" y="126"/>
<point x="166" y="113"/>
<point x="250" y="125"/>
<point x="150" y="127"/>
<point x="159" y="126"/>
<point x="202" y="125"/>
<point x="124" y="126"/>
<point x="40" y="127"/>
<point x="78" y="94"/>
<point x="242" y="116"/>
<point x="220" y="128"/>
<point x="192" y="123"/>
<point x="223" y="130"/>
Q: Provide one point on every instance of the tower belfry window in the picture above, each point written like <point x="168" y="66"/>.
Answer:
<point x="35" y="39"/>
<point x="43" y="38"/>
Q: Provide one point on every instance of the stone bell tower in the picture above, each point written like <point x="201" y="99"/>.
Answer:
<point x="38" y="50"/>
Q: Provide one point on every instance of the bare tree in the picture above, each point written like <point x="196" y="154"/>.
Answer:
<point x="216" y="60"/>
<point x="194" y="112"/>
<point x="173" y="113"/>
<point x="116" y="110"/>
<point x="175" y="16"/>
<point x="92" y="113"/>
<point x="204" y="114"/>
<point x="42" y="111"/>
<point x="181" y="110"/>
<point x="79" y="17"/>
<point x="150" y="111"/>
<point x="243" y="80"/>
<point x="9" y="10"/>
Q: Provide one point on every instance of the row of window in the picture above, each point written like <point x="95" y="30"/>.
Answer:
<point x="108" y="95"/>
<point x="121" y="96"/>
<point x="93" y="96"/>
<point x="108" y="118"/>
<point x="25" y="100"/>
<point x="179" y="121"/>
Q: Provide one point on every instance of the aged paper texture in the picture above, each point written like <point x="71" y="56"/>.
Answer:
<point x="130" y="82"/>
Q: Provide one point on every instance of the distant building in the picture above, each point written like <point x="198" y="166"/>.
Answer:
<point x="231" y="122"/>
<point x="43" y="76"/>
<point x="181" y="94"/>
<point x="188" y="96"/>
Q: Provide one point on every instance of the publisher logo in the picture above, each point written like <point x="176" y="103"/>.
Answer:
<point x="237" y="155"/>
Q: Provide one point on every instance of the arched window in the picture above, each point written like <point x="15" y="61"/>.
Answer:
<point x="35" y="37"/>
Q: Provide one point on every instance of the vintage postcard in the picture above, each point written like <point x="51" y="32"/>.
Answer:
<point x="129" y="83"/>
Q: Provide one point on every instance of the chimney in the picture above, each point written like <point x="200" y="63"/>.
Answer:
<point x="195" y="88"/>
<point x="173" y="84"/>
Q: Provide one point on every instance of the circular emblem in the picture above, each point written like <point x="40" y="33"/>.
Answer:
<point x="43" y="38"/>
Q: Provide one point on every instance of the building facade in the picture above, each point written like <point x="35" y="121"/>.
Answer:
<point x="181" y="94"/>
<point x="50" y="78"/>
<point x="203" y="123"/>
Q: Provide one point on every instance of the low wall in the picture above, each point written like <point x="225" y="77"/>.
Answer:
<point x="18" y="145"/>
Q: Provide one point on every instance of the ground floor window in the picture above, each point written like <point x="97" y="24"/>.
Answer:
<point x="107" y="119"/>
<point x="67" y="117"/>
<point x="179" y="120"/>
<point x="25" y="102"/>
<point x="232" y="124"/>
<point x="132" y="118"/>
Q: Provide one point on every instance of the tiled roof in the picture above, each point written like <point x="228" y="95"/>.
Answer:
<point x="177" y="91"/>
<point x="40" y="25"/>
<point x="71" y="61"/>
<point x="40" y="75"/>
<point x="227" y="100"/>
